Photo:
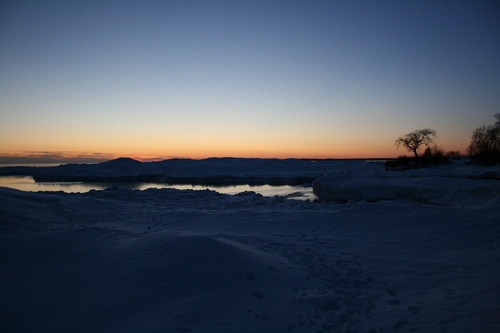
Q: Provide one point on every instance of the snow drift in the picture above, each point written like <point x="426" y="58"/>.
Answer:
<point x="90" y="280"/>
<point x="446" y="191"/>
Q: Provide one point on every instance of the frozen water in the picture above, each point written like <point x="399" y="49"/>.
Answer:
<point x="26" y="183"/>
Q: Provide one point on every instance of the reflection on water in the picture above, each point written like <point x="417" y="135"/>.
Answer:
<point x="26" y="183"/>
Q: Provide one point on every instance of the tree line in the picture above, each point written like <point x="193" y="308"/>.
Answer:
<point x="484" y="147"/>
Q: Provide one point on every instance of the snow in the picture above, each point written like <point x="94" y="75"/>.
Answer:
<point x="406" y="251"/>
<point x="210" y="170"/>
<point x="454" y="184"/>
<point x="433" y="190"/>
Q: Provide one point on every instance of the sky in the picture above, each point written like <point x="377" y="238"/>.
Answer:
<point x="90" y="80"/>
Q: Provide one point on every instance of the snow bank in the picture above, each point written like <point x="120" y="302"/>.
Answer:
<point x="157" y="282"/>
<point x="342" y="187"/>
<point x="205" y="171"/>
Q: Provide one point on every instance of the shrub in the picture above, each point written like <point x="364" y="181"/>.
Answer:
<point x="434" y="155"/>
<point x="402" y="163"/>
<point x="453" y="153"/>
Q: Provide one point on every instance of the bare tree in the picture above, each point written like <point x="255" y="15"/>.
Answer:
<point x="414" y="140"/>
<point x="485" y="143"/>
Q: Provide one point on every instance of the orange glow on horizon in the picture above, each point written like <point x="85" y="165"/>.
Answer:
<point x="256" y="154"/>
<point x="79" y="157"/>
<point x="157" y="150"/>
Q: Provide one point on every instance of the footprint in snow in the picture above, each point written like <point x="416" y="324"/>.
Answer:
<point x="394" y="301"/>
<point x="393" y="292"/>
<point x="400" y="324"/>
<point x="414" y="309"/>
<point x="257" y="294"/>
<point x="251" y="277"/>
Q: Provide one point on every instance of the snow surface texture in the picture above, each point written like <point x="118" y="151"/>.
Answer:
<point x="341" y="187"/>
<point x="165" y="260"/>
<point x="455" y="184"/>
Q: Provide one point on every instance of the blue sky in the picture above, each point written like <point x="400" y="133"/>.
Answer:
<point x="244" y="78"/>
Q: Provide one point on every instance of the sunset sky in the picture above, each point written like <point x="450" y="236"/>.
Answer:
<point x="305" y="79"/>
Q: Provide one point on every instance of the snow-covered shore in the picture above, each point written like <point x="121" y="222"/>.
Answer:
<point x="165" y="260"/>
<point x="210" y="170"/>
<point x="445" y="191"/>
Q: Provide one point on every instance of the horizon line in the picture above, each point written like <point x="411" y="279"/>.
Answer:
<point x="41" y="160"/>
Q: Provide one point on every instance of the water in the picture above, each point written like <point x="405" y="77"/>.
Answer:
<point x="26" y="183"/>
